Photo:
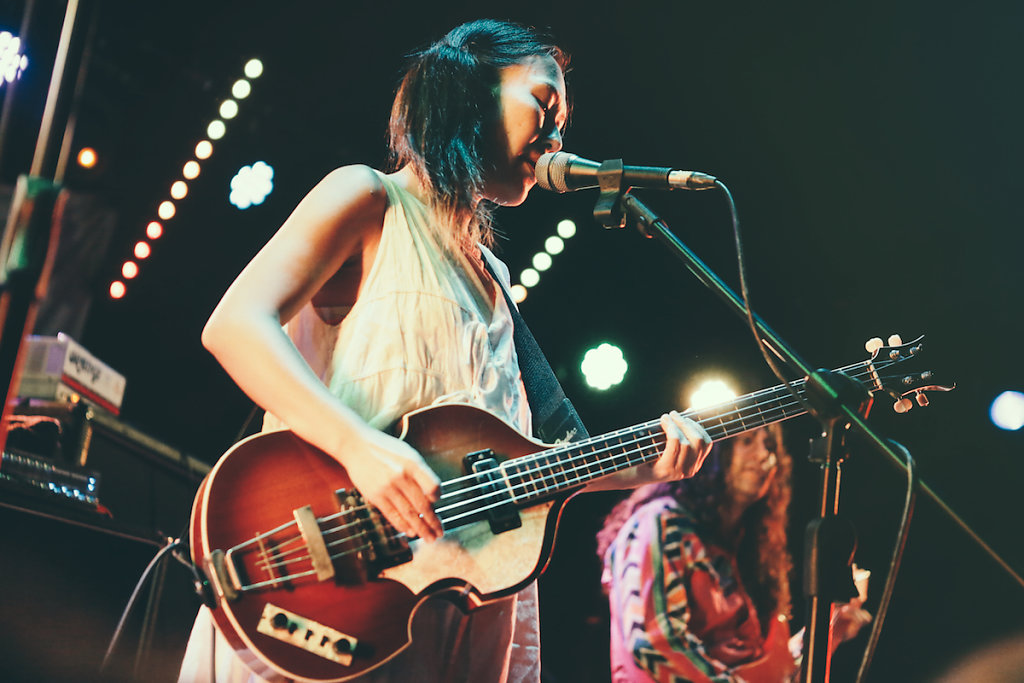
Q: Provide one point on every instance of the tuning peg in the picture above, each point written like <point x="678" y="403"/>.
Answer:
<point x="895" y="340"/>
<point x="903" y="405"/>
<point x="873" y="344"/>
<point x="922" y="399"/>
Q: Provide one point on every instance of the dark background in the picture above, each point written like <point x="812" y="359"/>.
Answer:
<point x="872" y="150"/>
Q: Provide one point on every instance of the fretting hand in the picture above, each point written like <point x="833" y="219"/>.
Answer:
<point x="687" y="447"/>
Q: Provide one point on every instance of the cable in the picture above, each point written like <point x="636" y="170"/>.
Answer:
<point x="894" y="563"/>
<point x="745" y="293"/>
<point x="172" y="543"/>
<point x="247" y="423"/>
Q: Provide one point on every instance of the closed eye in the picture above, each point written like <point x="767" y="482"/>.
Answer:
<point x="549" y="120"/>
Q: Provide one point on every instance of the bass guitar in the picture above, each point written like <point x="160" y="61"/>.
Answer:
<point x="311" y="583"/>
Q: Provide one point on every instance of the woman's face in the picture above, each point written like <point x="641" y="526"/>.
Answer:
<point x="752" y="467"/>
<point x="532" y="115"/>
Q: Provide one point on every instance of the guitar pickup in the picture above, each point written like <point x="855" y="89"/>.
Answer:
<point x="499" y="509"/>
<point x="383" y="546"/>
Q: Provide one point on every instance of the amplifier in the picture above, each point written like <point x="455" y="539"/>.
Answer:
<point x="147" y="485"/>
<point x="32" y="474"/>
<point x="60" y="368"/>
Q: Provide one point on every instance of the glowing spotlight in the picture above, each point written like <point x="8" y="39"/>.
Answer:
<point x="566" y="228"/>
<point x="12" y="63"/>
<point x="554" y="245"/>
<point x="253" y="68"/>
<point x="542" y="261"/>
<point x="241" y="89"/>
<point x="154" y="230"/>
<point x="216" y="129"/>
<point x="228" y="109"/>
<point x="711" y="392"/>
<point x="190" y="170"/>
<point x="518" y="293"/>
<point x="204" y="148"/>
<point x="529" y="277"/>
<point x="166" y="210"/>
<point x="1007" y="411"/>
<point x="251" y="185"/>
<point x="179" y="189"/>
<point x="129" y="269"/>
<point x="116" y="289"/>
<point x="604" y="366"/>
<point x="87" y="157"/>
<point x="142" y="250"/>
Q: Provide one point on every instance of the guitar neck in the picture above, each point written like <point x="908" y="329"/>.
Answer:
<point x="534" y="477"/>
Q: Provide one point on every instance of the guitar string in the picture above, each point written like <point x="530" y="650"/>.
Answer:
<point x="573" y="471"/>
<point x="778" y="391"/>
<point x="654" y="438"/>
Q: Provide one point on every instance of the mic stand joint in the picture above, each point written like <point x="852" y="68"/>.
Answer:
<point x="607" y="210"/>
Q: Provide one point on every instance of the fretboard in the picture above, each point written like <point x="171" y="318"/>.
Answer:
<point x="533" y="477"/>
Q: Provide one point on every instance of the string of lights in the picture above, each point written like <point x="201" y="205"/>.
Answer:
<point x="179" y="189"/>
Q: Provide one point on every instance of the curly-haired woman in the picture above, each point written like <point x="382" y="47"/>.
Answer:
<point x="697" y="571"/>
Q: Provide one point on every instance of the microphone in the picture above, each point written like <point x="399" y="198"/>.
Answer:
<point x="565" y="172"/>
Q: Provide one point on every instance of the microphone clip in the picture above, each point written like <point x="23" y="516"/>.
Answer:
<point x="608" y="209"/>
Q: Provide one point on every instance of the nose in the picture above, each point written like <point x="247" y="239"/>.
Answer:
<point x="553" y="141"/>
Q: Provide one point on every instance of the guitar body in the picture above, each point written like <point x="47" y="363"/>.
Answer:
<point x="256" y="486"/>
<point x="776" y="664"/>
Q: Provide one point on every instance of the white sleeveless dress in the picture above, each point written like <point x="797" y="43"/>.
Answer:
<point x="423" y="331"/>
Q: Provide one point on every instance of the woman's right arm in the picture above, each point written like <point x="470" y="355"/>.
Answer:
<point x="337" y="220"/>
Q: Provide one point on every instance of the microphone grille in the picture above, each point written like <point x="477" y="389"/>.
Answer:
<point x="551" y="168"/>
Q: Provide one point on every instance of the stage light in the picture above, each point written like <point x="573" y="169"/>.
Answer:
<point x="87" y="157"/>
<point x="554" y="245"/>
<point x="711" y="392"/>
<point x="228" y="109"/>
<point x="166" y="210"/>
<point x="518" y="293"/>
<point x="142" y="250"/>
<point x="542" y="261"/>
<point x="216" y="129"/>
<point x="1007" y="411"/>
<point x="566" y="228"/>
<point x="253" y="68"/>
<point x="129" y="269"/>
<point x="190" y="170"/>
<point x="154" y="230"/>
<point x="604" y="367"/>
<point x="241" y="89"/>
<point x="179" y="189"/>
<point x="12" y="63"/>
<point x="251" y="185"/>
<point x="529" y="277"/>
<point x="117" y="289"/>
<point x="204" y="148"/>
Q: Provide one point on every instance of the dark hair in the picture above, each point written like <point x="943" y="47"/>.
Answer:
<point x="445" y="111"/>
<point x="763" y="555"/>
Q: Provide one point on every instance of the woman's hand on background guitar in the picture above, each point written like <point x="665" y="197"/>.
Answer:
<point x="393" y="477"/>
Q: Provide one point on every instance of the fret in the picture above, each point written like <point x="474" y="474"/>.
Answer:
<point x="568" y="466"/>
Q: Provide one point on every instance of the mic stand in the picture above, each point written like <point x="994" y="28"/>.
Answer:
<point x="826" y="399"/>
<point x="830" y="540"/>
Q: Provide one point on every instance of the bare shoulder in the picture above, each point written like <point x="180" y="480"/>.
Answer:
<point x="353" y="195"/>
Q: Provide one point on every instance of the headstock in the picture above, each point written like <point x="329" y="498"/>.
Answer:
<point x="905" y="389"/>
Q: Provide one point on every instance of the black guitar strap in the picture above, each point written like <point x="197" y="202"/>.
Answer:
<point x="554" y="417"/>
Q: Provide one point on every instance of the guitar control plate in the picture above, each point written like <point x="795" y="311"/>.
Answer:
<point x="310" y="635"/>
